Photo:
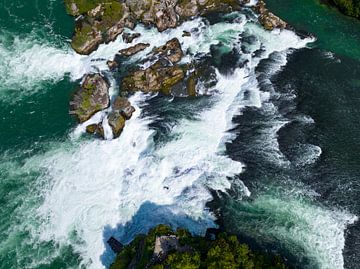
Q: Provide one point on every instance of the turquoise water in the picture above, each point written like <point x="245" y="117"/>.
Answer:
<point x="63" y="195"/>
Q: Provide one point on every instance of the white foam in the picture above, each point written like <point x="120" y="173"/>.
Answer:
<point x="93" y="184"/>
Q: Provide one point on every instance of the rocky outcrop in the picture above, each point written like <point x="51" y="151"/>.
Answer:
<point x="121" y="111"/>
<point x="133" y="50"/>
<point x="93" y="96"/>
<point x="156" y="78"/>
<point x="97" y="23"/>
<point x="268" y="19"/>
<point x="171" y="51"/>
<point x="166" y="75"/>
<point x="102" y="21"/>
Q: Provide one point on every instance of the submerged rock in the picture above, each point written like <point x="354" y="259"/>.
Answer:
<point x="116" y="122"/>
<point x="128" y="38"/>
<point x="93" y="96"/>
<point x="134" y="49"/>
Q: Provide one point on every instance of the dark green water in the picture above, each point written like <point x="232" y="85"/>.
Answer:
<point x="301" y="201"/>
<point x="327" y="90"/>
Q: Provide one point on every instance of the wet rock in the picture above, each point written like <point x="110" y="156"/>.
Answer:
<point x="154" y="79"/>
<point x="112" y="64"/>
<point x="171" y="51"/>
<point x="93" y="96"/>
<point x="191" y="84"/>
<point x="95" y="129"/>
<point x="268" y="19"/>
<point x="187" y="9"/>
<point x="128" y="38"/>
<point x="123" y="105"/>
<point x="116" y="122"/>
<point x="134" y="49"/>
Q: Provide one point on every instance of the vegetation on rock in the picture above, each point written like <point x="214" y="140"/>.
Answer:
<point x="349" y="7"/>
<point x="224" y="252"/>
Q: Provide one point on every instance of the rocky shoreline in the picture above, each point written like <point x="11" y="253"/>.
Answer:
<point x="102" y="21"/>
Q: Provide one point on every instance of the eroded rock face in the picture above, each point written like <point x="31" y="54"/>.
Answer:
<point x="268" y="19"/>
<point x="134" y="49"/>
<point x="93" y="96"/>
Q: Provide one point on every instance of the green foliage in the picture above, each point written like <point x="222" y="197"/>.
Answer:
<point x="349" y="7"/>
<point x="183" y="260"/>
<point x="226" y="252"/>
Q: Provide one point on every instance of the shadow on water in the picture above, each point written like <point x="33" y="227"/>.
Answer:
<point x="148" y="216"/>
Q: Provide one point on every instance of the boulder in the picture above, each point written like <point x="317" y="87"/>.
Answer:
<point x="93" y="96"/>
<point x="133" y="49"/>
<point x="171" y="51"/>
<point x="95" y="129"/>
<point x="123" y="105"/>
<point x="116" y="122"/>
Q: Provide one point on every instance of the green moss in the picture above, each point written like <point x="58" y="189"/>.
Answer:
<point x="81" y="36"/>
<point x="82" y="5"/>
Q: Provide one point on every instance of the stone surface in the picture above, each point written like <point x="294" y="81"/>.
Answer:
<point x="133" y="49"/>
<point x="116" y="122"/>
<point x="102" y="21"/>
<point x="112" y="64"/>
<point x="156" y="78"/>
<point x="93" y="96"/>
<point x="123" y="105"/>
<point x="268" y="19"/>
<point x="171" y="51"/>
